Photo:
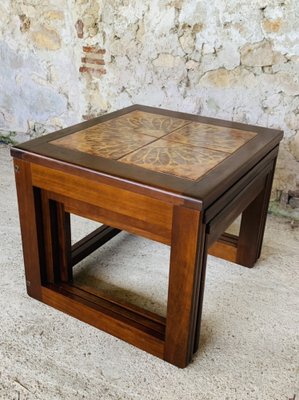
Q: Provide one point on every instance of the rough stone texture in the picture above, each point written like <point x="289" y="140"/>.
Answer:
<point x="36" y="50"/>
<point x="260" y="54"/>
<point x="47" y="39"/>
<point x="249" y="347"/>
<point x="294" y="144"/>
<point x="233" y="60"/>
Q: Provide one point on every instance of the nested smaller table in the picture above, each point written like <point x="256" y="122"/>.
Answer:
<point x="172" y="177"/>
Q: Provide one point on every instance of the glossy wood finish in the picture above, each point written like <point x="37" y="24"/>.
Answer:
<point x="171" y="177"/>
<point x="148" y="217"/>
<point x="50" y="273"/>
<point x="253" y="224"/>
<point x="160" y="320"/>
<point x="208" y="188"/>
<point x="233" y="191"/>
<point x="232" y="210"/>
<point x="226" y="247"/>
<point x="94" y="313"/>
<point x="29" y="227"/>
<point x="92" y="242"/>
<point x="183" y="295"/>
<point x="62" y="239"/>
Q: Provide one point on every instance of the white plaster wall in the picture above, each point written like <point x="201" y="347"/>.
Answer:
<point x="38" y="75"/>
<point x="234" y="59"/>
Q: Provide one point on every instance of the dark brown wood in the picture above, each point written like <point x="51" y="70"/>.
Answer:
<point x="159" y="193"/>
<point x="42" y="250"/>
<point x="92" y="242"/>
<point x="142" y="317"/>
<point x="154" y="215"/>
<point x="253" y="225"/>
<point x="102" y="294"/>
<point x="117" y="220"/>
<point x="229" y="195"/>
<point x="57" y="240"/>
<point x="28" y="221"/>
<point x="49" y="268"/>
<point x="93" y="314"/>
<point x="201" y="288"/>
<point x="225" y="218"/>
<point x="172" y="177"/>
<point x="63" y="242"/>
<point x="207" y="189"/>
<point x="225" y="247"/>
<point x="182" y="291"/>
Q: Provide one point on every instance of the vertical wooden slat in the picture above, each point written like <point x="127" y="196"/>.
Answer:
<point x="57" y="240"/>
<point x="253" y="225"/>
<point x="183" y="291"/>
<point x="49" y="268"/>
<point x="201" y="282"/>
<point x="64" y="243"/>
<point x="28" y="222"/>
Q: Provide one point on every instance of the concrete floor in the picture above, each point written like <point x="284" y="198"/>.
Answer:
<point x="249" y="336"/>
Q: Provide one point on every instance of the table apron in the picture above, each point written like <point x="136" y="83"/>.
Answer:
<point x="113" y="206"/>
<point x="237" y="205"/>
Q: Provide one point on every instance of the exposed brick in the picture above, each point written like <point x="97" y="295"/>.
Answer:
<point x="93" y="49"/>
<point x="88" y="60"/>
<point x="93" y="60"/>
<point x="93" y="71"/>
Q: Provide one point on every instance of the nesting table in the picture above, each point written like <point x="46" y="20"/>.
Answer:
<point x="172" y="177"/>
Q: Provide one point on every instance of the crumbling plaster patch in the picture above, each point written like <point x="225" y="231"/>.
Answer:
<point x="35" y="52"/>
<point x="230" y="59"/>
<point x="233" y="60"/>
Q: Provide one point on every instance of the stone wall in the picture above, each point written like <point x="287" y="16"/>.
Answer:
<point x="37" y="68"/>
<point x="63" y="61"/>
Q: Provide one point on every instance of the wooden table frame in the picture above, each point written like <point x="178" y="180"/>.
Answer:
<point x="193" y="227"/>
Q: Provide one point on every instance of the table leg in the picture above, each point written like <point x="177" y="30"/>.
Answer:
<point x="57" y="240"/>
<point x="202" y="282"/>
<point x="187" y="264"/>
<point x="253" y="225"/>
<point x="29" y="221"/>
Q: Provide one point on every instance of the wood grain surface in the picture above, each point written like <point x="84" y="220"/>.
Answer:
<point x="176" y="178"/>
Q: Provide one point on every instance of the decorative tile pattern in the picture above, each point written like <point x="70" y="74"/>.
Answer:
<point x="211" y="137"/>
<point x="103" y="141"/>
<point x="174" y="158"/>
<point x="146" y="123"/>
<point x="159" y="143"/>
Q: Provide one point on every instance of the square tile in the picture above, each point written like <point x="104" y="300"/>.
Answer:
<point x="211" y="136"/>
<point x="145" y="123"/>
<point x="182" y="160"/>
<point x="100" y="140"/>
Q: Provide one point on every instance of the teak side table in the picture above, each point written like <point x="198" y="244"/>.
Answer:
<point x="172" y="177"/>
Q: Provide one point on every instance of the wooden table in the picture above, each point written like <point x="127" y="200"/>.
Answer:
<point x="176" y="178"/>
